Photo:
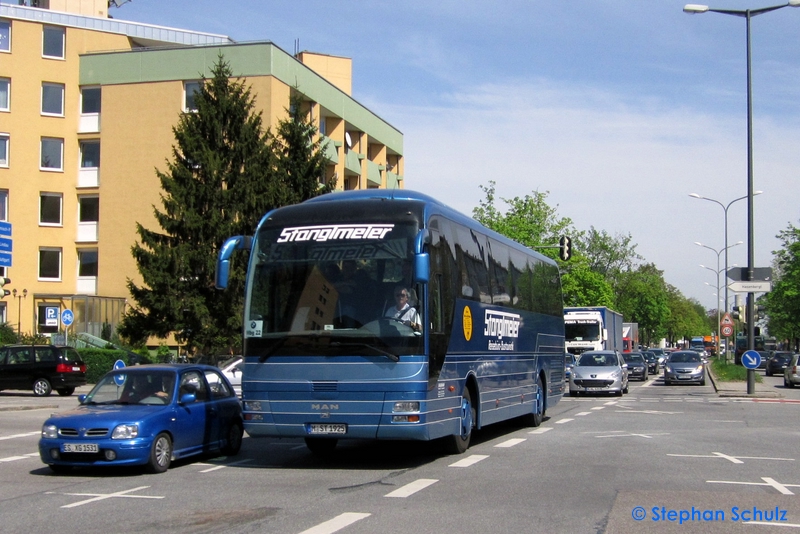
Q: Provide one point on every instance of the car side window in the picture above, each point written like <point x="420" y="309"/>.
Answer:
<point x="45" y="354"/>
<point x="3" y="355"/>
<point x="192" y="382"/>
<point x="19" y="356"/>
<point x="218" y="387"/>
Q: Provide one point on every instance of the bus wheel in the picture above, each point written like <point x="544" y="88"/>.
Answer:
<point x="535" y="419"/>
<point x="459" y="443"/>
<point x="321" y="446"/>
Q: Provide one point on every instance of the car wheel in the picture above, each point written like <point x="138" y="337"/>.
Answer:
<point x="459" y="443"/>
<point x="573" y="393"/>
<point x="160" y="454"/>
<point x="321" y="446"/>
<point x="767" y="372"/>
<point x="618" y="393"/>
<point x="234" y="441"/>
<point x="66" y="392"/>
<point x="790" y="384"/>
<point x="703" y="381"/>
<point x="41" y="387"/>
<point x="667" y="382"/>
<point x="625" y="389"/>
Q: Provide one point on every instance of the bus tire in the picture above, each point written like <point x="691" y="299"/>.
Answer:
<point x="321" y="446"/>
<point x="535" y="419"/>
<point x="459" y="443"/>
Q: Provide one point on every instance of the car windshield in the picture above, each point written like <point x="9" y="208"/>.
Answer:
<point x="684" y="357"/>
<point x="631" y="357"/>
<point x="588" y="359"/>
<point x="154" y="387"/>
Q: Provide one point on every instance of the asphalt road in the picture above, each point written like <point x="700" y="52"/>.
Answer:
<point x="660" y="459"/>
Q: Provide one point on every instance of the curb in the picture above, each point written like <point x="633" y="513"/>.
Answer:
<point x="734" y="392"/>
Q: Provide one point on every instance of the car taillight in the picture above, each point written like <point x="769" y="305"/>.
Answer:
<point x="63" y="368"/>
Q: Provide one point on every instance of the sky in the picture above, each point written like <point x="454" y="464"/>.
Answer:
<point x="617" y="109"/>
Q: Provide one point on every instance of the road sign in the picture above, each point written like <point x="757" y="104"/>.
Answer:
<point x="726" y="330"/>
<point x="6" y="244"/>
<point x="750" y="287"/>
<point x="51" y="316"/>
<point x="67" y="317"/>
<point x="760" y="274"/>
<point x="5" y="228"/>
<point x="751" y="359"/>
<point x="119" y="379"/>
<point x="726" y="320"/>
<point x="5" y="259"/>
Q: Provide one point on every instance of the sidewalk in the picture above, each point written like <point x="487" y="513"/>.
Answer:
<point x="739" y="389"/>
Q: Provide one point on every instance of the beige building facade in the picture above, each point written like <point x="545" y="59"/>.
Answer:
<point x="87" y="107"/>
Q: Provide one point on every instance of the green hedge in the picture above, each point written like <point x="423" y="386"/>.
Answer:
<point x="100" y="361"/>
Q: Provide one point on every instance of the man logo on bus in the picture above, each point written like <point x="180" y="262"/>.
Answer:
<point x="467" y="323"/>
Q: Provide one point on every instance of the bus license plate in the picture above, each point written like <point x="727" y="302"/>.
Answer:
<point x="330" y="428"/>
<point x="79" y="447"/>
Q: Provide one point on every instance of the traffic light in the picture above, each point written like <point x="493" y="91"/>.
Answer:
<point x="5" y="292"/>
<point x="738" y="313"/>
<point x="565" y="248"/>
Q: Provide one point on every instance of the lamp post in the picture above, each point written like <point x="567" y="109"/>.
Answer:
<point x="747" y="14"/>
<point x="717" y="271"/>
<point x="19" y="298"/>
<point x="725" y="235"/>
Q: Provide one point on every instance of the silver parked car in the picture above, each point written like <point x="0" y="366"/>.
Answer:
<point x="791" y="376"/>
<point x="599" y="371"/>
<point x="685" y="366"/>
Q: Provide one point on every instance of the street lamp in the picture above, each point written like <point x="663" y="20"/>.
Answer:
<point x="19" y="298"/>
<point x="717" y="271"/>
<point x="725" y="233"/>
<point x="747" y="14"/>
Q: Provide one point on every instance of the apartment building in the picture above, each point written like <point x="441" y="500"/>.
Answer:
<point x="87" y="107"/>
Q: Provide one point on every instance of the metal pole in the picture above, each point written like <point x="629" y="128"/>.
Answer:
<point x="751" y="374"/>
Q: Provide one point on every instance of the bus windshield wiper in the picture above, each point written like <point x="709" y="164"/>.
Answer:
<point x="391" y="356"/>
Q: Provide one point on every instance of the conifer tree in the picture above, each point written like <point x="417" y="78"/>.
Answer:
<point x="220" y="182"/>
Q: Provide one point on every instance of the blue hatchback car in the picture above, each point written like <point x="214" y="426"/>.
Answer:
<point x="146" y="415"/>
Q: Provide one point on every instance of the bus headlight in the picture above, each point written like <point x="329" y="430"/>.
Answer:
<point x="252" y="406"/>
<point x="406" y="406"/>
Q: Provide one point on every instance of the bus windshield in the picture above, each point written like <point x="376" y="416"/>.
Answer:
<point x="333" y="290"/>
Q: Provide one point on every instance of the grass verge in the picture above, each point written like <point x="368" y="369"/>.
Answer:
<point x="728" y="372"/>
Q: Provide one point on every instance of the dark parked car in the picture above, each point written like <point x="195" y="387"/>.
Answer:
<point x="652" y="361"/>
<point x="146" y="415"/>
<point x="637" y="366"/>
<point x="41" y="369"/>
<point x="778" y="362"/>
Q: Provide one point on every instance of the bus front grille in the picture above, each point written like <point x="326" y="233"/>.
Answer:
<point x="324" y="386"/>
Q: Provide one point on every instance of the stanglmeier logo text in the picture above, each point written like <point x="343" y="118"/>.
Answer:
<point x="500" y="325"/>
<point x="328" y="232"/>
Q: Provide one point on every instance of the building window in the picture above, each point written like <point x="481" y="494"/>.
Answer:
<point x="53" y="99"/>
<point x="4" y="141"/>
<point x="3" y="205"/>
<point x="88" y="209"/>
<point x="90" y="154"/>
<point x="52" y="154"/>
<point x="53" y="42"/>
<point x="90" y="100"/>
<point x="5" y="36"/>
<point x="189" y="90"/>
<point x="5" y="94"/>
<point x="87" y="263"/>
<point x="50" y="264"/>
<point x="50" y="209"/>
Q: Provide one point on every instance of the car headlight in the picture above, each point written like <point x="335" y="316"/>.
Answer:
<point x="616" y="374"/>
<point x="698" y="369"/>
<point x="49" y="431"/>
<point x="125" y="432"/>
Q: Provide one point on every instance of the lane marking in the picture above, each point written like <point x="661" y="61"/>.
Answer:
<point x="541" y="430"/>
<point x="218" y="467"/>
<point x="782" y="488"/>
<point x="647" y="411"/>
<point x="470" y="460"/>
<point x="647" y="436"/>
<point x="23" y="457"/>
<point x="412" y="488"/>
<point x="103" y="496"/>
<point x="583" y="413"/>
<point x="337" y="523"/>
<point x="562" y="421"/>
<point x="598" y="408"/>
<point x="26" y="435"/>
<point x="510" y="443"/>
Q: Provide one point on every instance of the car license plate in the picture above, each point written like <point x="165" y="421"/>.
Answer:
<point x="79" y="447"/>
<point x="593" y="389"/>
<point x="329" y="428"/>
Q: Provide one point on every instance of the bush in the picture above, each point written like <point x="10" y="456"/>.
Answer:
<point x="7" y="334"/>
<point x="100" y="361"/>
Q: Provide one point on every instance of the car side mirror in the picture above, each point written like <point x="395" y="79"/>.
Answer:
<point x="188" y="398"/>
<point x="81" y="398"/>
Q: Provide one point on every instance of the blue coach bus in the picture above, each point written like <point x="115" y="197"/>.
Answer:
<point x="324" y="360"/>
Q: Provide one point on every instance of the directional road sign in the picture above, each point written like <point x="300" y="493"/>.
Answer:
<point x="750" y="287"/>
<point x="5" y="228"/>
<point x="751" y="359"/>
<point x="760" y="274"/>
<point x="5" y="259"/>
<point x="119" y="379"/>
<point x="67" y="317"/>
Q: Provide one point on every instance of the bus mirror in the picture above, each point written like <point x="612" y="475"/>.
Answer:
<point x="422" y="268"/>
<point x="224" y="259"/>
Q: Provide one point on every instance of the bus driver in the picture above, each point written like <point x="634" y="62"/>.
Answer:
<point x="402" y="311"/>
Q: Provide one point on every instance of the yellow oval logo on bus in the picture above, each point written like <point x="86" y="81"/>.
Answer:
<point x="467" y="323"/>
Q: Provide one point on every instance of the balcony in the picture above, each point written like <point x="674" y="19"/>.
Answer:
<point x="330" y="148"/>
<point x="87" y="232"/>
<point x="352" y="162"/>
<point x="86" y="285"/>
<point x="89" y="123"/>
<point x="374" y="174"/>
<point x="393" y="180"/>
<point x="89" y="177"/>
